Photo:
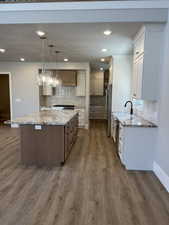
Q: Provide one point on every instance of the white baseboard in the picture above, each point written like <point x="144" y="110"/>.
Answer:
<point x="162" y="176"/>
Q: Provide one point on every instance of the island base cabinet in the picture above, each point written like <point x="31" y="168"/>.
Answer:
<point x="47" y="145"/>
<point x="43" y="147"/>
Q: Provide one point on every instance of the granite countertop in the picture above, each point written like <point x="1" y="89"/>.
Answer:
<point x="51" y="117"/>
<point x="132" y="120"/>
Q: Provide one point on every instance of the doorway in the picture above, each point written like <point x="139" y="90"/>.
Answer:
<point x="99" y="95"/>
<point x="5" y="110"/>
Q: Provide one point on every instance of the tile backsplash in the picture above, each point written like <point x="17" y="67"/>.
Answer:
<point x="63" y="96"/>
<point x="147" y="110"/>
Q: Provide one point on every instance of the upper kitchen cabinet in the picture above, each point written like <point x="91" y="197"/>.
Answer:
<point x="68" y="78"/>
<point x="147" y="61"/>
<point x="97" y="84"/>
<point x="81" y="83"/>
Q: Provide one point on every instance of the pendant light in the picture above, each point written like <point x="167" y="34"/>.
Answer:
<point x="57" y="81"/>
<point x="43" y="77"/>
<point x="54" y="82"/>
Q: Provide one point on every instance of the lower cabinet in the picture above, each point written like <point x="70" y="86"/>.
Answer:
<point x="136" y="147"/>
<point x="47" y="145"/>
<point x="114" y="128"/>
<point x="137" y="78"/>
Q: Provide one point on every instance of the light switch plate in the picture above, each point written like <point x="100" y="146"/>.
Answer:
<point x="18" y="99"/>
<point x="38" y="127"/>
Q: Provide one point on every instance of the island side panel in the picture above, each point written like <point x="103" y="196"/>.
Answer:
<point x="71" y="131"/>
<point x="47" y="145"/>
<point x="28" y="148"/>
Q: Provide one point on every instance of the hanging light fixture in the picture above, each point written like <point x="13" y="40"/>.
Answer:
<point x="52" y="80"/>
<point x="44" y="76"/>
<point x="56" y="80"/>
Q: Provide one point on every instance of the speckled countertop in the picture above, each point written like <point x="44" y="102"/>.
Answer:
<point x="51" y="117"/>
<point x="132" y="121"/>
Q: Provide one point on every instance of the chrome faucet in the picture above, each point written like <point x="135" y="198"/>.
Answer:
<point x="131" y="109"/>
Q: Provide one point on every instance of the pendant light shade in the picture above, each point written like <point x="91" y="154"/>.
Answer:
<point x="47" y="78"/>
<point x="42" y="76"/>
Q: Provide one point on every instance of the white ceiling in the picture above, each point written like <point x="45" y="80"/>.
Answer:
<point x="77" y="42"/>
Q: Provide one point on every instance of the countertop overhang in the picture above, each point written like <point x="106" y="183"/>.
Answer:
<point x="51" y="117"/>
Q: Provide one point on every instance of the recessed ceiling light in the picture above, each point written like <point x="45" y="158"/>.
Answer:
<point x="107" y="32"/>
<point x="101" y="68"/>
<point x="102" y="60"/>
<point x="66" y="60"/>
<point x="2" y="50"/>
<point x="104" y="50"/>
<point x="22" y="59"/>
<point x="40" y="33"/>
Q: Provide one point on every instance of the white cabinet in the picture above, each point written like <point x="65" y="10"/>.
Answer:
<point x="136" y="147"/>
<point x="114" y="125"/>
<point x="97" y="84"/>
<point x="121" y="144"/>
<point x="147" y="62"/>
<point x="81" y="84"/>
<point x="47" y="90"/>
<point x="137" y="78"/>
<point x="139" y="43"/>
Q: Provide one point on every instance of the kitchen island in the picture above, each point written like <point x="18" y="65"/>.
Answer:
<point x="47" y="137"/>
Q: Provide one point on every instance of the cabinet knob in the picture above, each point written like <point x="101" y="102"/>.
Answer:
<point x="137" y="52"/>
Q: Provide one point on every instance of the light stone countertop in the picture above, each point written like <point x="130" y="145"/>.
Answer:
<point x="132" y="120"/>
<point x="51" y="117"/>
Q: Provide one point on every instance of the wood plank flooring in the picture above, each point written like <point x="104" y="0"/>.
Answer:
<point x="91" y="189"/>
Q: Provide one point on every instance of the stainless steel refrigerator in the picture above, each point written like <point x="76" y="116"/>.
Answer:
<point x="109" y="109"/>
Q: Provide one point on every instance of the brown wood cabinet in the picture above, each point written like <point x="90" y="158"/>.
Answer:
<point x="68" y="77"/>
<point x="49" y="146"/>
<point x="71" y="130"/>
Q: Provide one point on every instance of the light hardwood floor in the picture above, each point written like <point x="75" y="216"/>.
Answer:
<point x="91" y="189"/>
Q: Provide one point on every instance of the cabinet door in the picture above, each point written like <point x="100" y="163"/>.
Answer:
<point x="97" y="84"/>
<point x="68" y="77"/>
<point x="121" y="144"/>
<point x="137" y="78"/>
<point x="101" y="84"/>
<point x="134" y="80"/>
<point x="139" y="44"/>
